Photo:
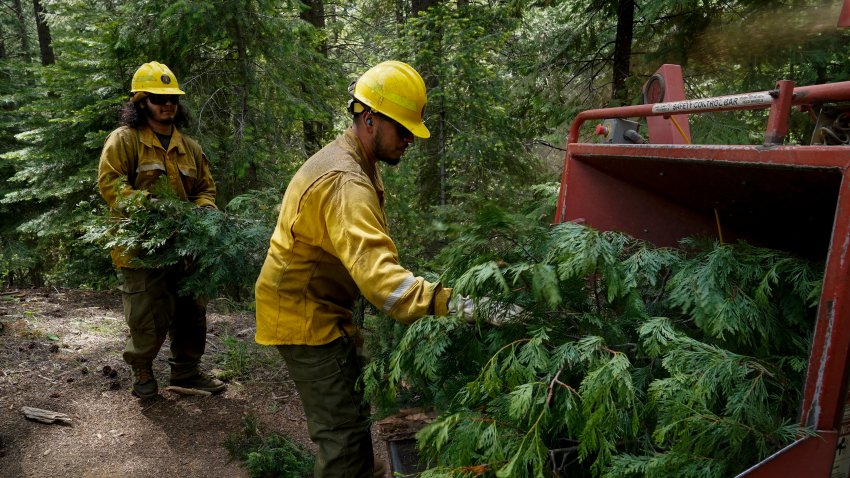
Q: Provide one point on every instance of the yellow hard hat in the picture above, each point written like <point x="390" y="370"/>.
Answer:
<point x="155" y="78"/>
<point x="394" y="89"/>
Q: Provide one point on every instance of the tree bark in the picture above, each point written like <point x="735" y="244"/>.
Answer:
<point x="2" y="43"/>
<point x="399" y="6"/>
<point x="315" y="15"/>
<point x="314" y="131"/>
<point x="46" y="416"/>
<point x="431" y="176"/>
<point x="22" y="28"/>
<point x="244" y="112"/>
<point x="821" y="76"/>
<point x="417" y="6"/>
<point x="622" y="50"/>
<point x="45" y="41"/>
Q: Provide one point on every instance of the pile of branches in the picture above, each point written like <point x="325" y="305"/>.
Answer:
<point x="631" y="360"/>
<point x="222" y="251"/>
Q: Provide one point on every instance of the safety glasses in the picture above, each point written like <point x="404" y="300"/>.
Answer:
<point x="160" y="100"/>
<point x="400" y="129"/>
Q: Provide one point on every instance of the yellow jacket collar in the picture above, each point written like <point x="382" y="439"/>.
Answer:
<point x="353" y="144"/>
<point x="149" y="139"/>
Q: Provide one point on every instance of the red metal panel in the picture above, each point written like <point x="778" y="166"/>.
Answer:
<point x="661" y="130"/>
<point x="825" y="388"/>
<point x="777" y="122"/>
<point x="607" y="202"/>
<point x="785" y="156"/>
<point x="844" y="17"/>
<point x="665" y="193"/>
<point x="805" y="95"/>
<point x="808" y="457"/>
<point x="800" y="156"/>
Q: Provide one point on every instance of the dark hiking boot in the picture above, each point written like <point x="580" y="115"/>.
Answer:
<point x="200" y="381"/>
<point x="145" y="385"/>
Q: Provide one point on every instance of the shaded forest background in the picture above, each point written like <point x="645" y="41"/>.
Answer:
<point x="266" y="85"/>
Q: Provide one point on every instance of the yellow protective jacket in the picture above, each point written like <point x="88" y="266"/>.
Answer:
<point x="134" y="159"/>
<point x="331" y="243"/>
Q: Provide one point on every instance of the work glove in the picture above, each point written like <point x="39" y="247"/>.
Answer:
<point x="486" y="309"/>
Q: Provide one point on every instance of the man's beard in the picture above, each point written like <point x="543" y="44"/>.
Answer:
<point x="379" y="153"/>
<point x="390" y="161"/>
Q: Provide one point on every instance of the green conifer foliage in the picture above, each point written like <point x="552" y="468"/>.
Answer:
<point x="630" y="360"/>
<point x="234" y="59"/>
<point x="16" y="259"/>
<point x="222" y="250"/>
<point x="70" y="107"/>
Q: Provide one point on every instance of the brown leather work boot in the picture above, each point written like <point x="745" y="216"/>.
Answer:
<point x="200" y="381"/>
<point x="145" y="385"/>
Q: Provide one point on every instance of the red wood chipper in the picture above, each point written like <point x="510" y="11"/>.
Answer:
<point x="796" y="198"/>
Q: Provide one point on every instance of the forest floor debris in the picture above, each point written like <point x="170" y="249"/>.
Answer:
<point x="60" y="350"/>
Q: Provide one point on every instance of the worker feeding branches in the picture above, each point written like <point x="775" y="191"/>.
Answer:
<point x="330" y="245"/>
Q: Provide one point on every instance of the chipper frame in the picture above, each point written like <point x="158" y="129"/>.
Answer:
<point x="790" y="197"/>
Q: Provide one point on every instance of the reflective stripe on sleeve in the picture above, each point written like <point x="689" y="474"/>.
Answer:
<point x="150" y="167"/>
<point x="396" y="295"/>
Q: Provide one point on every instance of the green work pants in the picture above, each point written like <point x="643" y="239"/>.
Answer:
<point x="337" y="415"/>
<point x="154" y="309"/>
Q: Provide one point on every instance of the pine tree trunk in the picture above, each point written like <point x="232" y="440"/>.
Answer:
<point x="2" y="43"/>
<point x="315" y="15"/>
<point x="417" y="6"/>
<point x="44" y="39"/>
<point x="622" y="50"/>
<point x="22" y="28"/>
<point x="314" y="131"/>
<point x="244" y="112"/>
<point x="820" y="76"/>
<point x="431" y="177"/>
<point x="399" y="11"/>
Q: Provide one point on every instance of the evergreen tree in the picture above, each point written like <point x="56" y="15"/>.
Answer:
<point x="254" y="73"/>
<point x="249" y="113"/>
<point x="63" y="110"/>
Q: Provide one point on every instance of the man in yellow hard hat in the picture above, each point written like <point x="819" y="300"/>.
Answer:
<point x="146" y="147"/>
<point x="331" y="244"/>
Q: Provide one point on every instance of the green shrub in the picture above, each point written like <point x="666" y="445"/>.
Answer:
<point x="241" y="358"/>
<point x="268" y="455"/>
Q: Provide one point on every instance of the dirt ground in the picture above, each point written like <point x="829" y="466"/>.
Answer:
<point x="60" y="350"/>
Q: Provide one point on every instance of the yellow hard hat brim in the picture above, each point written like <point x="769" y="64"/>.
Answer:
<point x="160" y="91"/>
<point x="418" y="129"/>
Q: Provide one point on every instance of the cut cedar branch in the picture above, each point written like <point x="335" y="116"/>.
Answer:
<point x="188" y="391"/>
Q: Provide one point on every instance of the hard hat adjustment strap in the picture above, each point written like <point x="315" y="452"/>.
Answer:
<point x="354" y="106"/>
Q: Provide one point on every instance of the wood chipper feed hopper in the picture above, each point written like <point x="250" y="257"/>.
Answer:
<point x="793" y="198"/>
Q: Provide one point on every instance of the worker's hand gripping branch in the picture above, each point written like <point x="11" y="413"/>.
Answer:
<point x="487" y="310"/>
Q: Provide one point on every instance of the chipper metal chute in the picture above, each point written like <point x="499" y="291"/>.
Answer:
<point x="790" y="197"/>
